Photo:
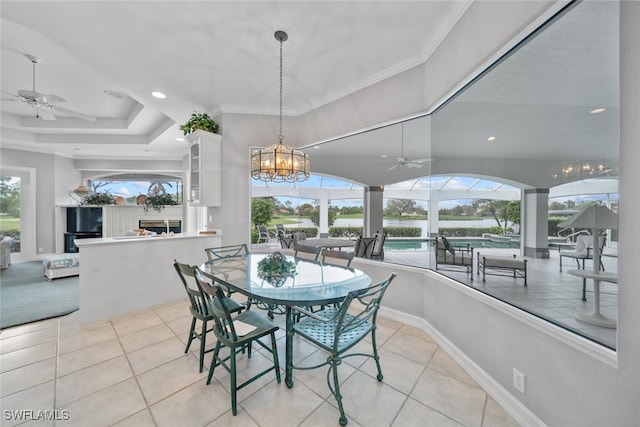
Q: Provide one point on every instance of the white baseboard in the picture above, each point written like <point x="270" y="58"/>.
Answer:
<point x="509" y="403"/>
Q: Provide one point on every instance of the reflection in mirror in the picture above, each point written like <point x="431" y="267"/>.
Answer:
<point x="501" y="165"/>
<point x="545" y="120"/>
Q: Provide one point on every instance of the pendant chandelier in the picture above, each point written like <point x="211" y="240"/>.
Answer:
<point x="278" y="162"/>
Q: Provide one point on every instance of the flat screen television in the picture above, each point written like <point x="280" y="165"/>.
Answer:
<point x="84" y="220"/>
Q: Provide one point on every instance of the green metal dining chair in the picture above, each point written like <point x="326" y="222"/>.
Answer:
<point x="199" y="309"/>
<point x="236" y="333"/>
<point x="339" y="258"/>
<point x="310" y="253"/>
<point x="337" y="330"/>
<point x="227" y="251"/>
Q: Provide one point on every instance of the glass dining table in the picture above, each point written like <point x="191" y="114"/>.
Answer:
<point x="312" y="284"/>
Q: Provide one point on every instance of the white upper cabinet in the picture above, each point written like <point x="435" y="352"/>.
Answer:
<point x="205" y="168"/>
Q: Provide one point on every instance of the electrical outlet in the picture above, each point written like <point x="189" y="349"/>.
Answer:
<point x="518" y="380"/>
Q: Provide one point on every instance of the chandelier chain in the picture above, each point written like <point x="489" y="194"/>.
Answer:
<point x="280" y="137"/>
<point x="278" y="162"/>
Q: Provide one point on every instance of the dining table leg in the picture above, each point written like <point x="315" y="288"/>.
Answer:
<point x="288" y="378"/>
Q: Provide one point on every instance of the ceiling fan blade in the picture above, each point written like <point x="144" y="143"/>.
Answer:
<point x="415" y="165"/>
<point x="50" y="99"/>
<point x="73" y="113"/>
<point x="426" y="159"/>
<point x="13" y="96"/>
<point x="29" y="94"/>
<point x="44" y="113"/>
<point x="392" y="167"/>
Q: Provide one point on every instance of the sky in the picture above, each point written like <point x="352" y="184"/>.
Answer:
<point x="134" y="188"/>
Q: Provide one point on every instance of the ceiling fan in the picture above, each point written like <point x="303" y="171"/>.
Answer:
<point x="45" y="105"/>
<point x="404" y="162"/>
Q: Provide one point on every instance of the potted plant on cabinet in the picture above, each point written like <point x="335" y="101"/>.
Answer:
<point x="200" y="121"/>
<point x="98" y="198"/>
<point x="158" y="201"/>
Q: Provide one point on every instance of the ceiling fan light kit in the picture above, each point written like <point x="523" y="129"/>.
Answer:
<point x="45" y="104"/>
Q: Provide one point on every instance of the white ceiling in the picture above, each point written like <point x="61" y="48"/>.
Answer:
<point x="221" y="56"/>
<point x="213" y="56"/>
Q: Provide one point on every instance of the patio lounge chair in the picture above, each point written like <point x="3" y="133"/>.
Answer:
<point x="451" y="256"/>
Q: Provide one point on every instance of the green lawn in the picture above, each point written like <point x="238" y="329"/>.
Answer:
<point x="350" y="216"/>
<point x="284" y="220"/>
<point x="10" y="225"/>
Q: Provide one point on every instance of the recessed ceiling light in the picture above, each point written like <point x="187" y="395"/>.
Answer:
<point x="159" y="95"/>
<point x="179" y="139"/>
<point x="597" y="111"/>
<point x="491" y="138"/>
<point x="384" y="156"/>
<point x="316" y="147"/>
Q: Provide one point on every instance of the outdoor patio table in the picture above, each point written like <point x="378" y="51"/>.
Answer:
<point x="328" y="243"/>
<point x="313" y="284"/>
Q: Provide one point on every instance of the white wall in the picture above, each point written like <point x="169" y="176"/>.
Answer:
<point x="241" y="131"/>
<point x="45" y="188"/>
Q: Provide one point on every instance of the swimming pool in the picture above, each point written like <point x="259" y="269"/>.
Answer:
<point x="423" y="245"/>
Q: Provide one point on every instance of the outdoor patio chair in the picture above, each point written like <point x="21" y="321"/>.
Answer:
<point x="199" y="309"/>
<point x="338" y="329"/>
<point x="450" y="256"/>
<point x="341" y="258"/>
<point x="263" y="234"/>
<point x="583" y="250"/>
<point x="286" y="242"/>
<point x="364" y="247"/>
<point x="378" y="246"/>
<point x="280" y="231"/>
<point x="236" y="333"/>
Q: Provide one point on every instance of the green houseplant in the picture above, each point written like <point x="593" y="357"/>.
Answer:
<point x="98" y="198"/>
<point x="158" y="201"/>
<point x="200" y="121"/>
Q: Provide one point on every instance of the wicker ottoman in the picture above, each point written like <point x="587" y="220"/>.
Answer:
<point x="61" y="265"/>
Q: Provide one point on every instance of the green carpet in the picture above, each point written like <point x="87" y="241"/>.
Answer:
<point x="26" y="295"/>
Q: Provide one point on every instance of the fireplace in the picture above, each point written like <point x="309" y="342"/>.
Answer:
<point x="159" y="226"/>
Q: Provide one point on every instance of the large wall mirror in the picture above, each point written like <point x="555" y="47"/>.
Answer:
<point x="501" y="164"/>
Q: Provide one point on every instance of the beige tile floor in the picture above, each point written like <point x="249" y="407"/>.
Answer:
<point x="132" y="371"/>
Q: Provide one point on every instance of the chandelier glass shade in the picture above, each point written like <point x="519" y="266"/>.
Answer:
<point x="278" y="162"/>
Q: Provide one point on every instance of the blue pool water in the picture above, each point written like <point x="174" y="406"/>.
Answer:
<point x="418" y="245"/>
